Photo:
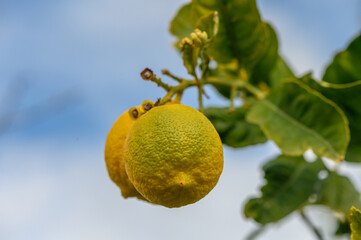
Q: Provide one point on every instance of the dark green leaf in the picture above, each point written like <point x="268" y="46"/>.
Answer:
<point x="345" y="67"/>
<point x="290" y="182"/>
<point x="262" y="70"/>
<point x="298" y="118"/>
<point x="181" y="25"/>
<point x="338" y="193"/>
<point x="348" y="97"/>
<point x="343" y="227"/>
<point x="242" y="34"/>
<point x="233" y="129"/>
<point x="355" y="219"/>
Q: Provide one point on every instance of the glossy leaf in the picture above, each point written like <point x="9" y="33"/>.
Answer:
<point x="355" y="219"/>
<point x="242" y="34"/>
<point x="345" y="67"/>
<point x="181" y="25"/>
<point x="290" y="182"/>
<point x="338" y="193"/>
<point x="233" y="129"/>
<point x="348" y="97"/>
<point x="298" y="118"/>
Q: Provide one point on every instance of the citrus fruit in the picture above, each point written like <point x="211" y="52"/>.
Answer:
<point x="173" y="155"/>
<point x="114" y="155"/>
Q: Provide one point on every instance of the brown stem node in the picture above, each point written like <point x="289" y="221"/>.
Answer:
<point x="147" y="74"/>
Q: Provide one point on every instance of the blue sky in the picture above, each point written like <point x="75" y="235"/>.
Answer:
<point x="69" y="68"/>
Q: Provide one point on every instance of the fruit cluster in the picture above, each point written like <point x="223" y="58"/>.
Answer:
<point x="169" y="155"/>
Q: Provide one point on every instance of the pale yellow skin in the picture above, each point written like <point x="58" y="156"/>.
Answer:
<point x="173" y="155"/>
<point x="114" y="155"/>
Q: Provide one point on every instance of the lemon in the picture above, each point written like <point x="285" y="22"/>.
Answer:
<point x="114" y="155"/>
<point x="173" y="155"/>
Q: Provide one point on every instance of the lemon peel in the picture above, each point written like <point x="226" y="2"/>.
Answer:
<point x="173" y="155"/>
<point x="114" y="155"/>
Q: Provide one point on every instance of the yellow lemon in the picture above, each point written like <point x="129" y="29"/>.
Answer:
<point x="114" y="155"/>
<point x="173" y="155"/>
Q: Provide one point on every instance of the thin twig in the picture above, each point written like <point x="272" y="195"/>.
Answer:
<point x="238" y="84"/>
<point x="169" y="74"/>
<point x="232" y="97"/>
<point x="179" y="88"/>
<point x="200" y="92"/>
<point x="254" y="234"/>
<point x="311" y="226"/>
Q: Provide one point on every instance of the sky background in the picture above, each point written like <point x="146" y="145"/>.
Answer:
<point x="70" y="68"/>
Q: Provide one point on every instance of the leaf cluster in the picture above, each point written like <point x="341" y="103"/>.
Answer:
<point x="298" y="113"/>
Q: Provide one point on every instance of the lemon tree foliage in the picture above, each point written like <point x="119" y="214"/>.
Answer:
<point x="348" y="97"/>
<point x="233" y="128"/>
<point x="227" y="45"/>
<point x="181" y="25"/>
<point x="355" y="218"/>
<point x="279" y="72"/>
<point x="242" y="34"/>
<point x="345" y="67"/>
<point x="290" y="183"/>
<point x="295" y="108"/>
<point x="297" y="113"/>
<point x="338" y="193"/>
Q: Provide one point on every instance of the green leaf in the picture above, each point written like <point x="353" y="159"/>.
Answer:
<point x="345" y="67"/>
<point x="355" y="219"/>
<point x="343" y="227"/>
<point x="263" y="68"/>
<point x="181" y="25"/>
<point x="233" y="129"/>
<point x="242" y="34"/>
<point x="298" y="118"/>
<point x="280" y="71"/>
<point x="348" y="97"/>
<point x="338" y="193"/>
<point x="290" y="183"/>
<point x="353" y="153"/>
<point x="209" y="24"/>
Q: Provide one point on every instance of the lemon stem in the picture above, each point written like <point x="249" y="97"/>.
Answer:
<point x="200" y="93"/>
<point x="178" y="97"/>
<point x="237" y="84"/>
<point x="232" y="97"/>
<point x="174" y="90"/>
<point x="148" y="75"/>
<point x="211" y="80"/>
<point x="161" y="84"/>
<point x="169" y="74"/>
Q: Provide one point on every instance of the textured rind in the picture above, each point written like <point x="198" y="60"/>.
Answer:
<point x="173" y="155"/>
<point x="114" y="156"/>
